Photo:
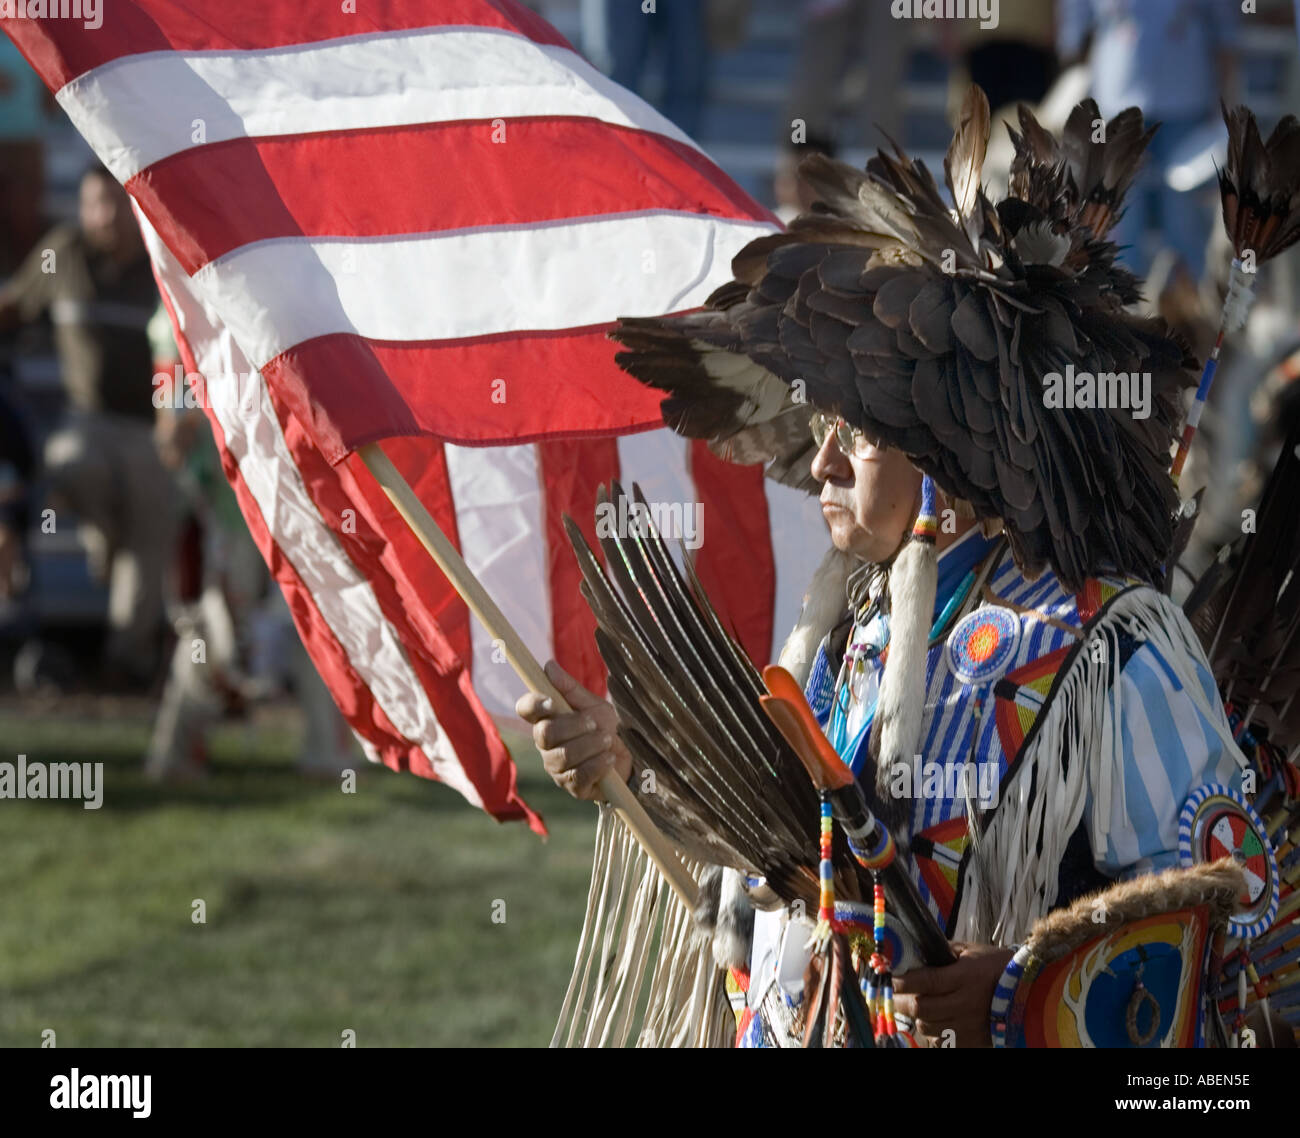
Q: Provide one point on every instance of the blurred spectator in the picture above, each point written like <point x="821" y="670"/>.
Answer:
<point x="17" y="464"/>
<point x="23" y="103"/>
<point x="838" y="35"/>
<point x="94" y="280"/>
<point x="235" y="639"/>
<point x="729" y="23"/>
<point x="1014" y="62"/>
<point x="793" y="195"/>
<point x="680" y="30"/>
<point x="1175" y="59"/>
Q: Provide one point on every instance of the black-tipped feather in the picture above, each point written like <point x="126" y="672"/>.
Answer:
<point x="1259" y="188"/>
<point x="728" y="788"/>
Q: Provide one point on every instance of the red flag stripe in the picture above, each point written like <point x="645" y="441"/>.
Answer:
<point x="209" y="200"/>
<point x="382" y="550"/>
<point x="496" y="390"/>
<point x="144" y="26"/>
<point x="423" y="462"/>
<point x="737" y="547"/>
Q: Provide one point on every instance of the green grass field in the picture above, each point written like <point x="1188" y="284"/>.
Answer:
<point x="325" y="911"/>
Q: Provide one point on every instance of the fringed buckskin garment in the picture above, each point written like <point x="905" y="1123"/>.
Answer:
<point x="1029" y="715"/>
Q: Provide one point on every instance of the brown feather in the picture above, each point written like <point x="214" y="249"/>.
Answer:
<point x="964" y="162"/>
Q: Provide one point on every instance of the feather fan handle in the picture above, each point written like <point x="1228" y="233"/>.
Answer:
<point x="869" y="836"/>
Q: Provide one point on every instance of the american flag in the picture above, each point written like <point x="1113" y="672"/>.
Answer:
<point x="415" y="221"/>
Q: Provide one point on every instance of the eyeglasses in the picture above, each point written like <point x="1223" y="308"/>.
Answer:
<point x="846" y="438"/>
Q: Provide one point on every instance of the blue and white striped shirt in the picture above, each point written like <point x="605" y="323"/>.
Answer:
<point x="1169" y="747"/>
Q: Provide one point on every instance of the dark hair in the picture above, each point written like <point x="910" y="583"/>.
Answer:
<point x="814" y="143"/>
<point x="97" y="169"/>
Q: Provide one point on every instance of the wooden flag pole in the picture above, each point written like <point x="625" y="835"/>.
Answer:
<point x="525" y="664"/>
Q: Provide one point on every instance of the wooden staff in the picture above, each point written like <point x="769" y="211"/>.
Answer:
<point x="525" y="664"/>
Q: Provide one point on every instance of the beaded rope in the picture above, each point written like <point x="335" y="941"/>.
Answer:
<point x="873" y="848"/>
<point x="826" y="911"/>
<point x="1247" y="972"/>
<point x="883" y="1011"/>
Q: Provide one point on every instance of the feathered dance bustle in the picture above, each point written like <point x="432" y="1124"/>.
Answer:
<point x="1246" y="609"/>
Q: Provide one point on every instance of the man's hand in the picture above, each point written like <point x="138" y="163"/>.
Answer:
<point x="579" y="746"/>
<point x="955" y="998"/>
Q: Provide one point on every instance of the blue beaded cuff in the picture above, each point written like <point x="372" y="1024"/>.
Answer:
<point x="1004" y="995"/>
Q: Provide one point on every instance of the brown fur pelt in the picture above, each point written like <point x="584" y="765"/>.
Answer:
<point x="1217" y="885"/>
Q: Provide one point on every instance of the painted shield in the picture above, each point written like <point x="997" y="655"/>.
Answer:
<point x="1217" y="822"/>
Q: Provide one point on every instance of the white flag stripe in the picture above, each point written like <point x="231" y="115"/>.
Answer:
<point x="657" y="461"/>
<point x="143" y="108"/>
<point x="276" y="294"/>
<point x="799" y="542"/>
<point x="505" y="547"/>
<point x="343" y="596"/>
<point x="498" y="500"/>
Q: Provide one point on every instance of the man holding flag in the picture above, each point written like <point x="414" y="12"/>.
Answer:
<point x="407" y="363"/>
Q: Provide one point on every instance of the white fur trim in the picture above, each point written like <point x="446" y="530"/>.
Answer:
<point x="900" y="708"/>
<point x="824" y="604"/>
<point x="733" y="935"/>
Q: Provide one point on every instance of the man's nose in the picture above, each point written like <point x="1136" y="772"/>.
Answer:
<point x="829" y="461"/>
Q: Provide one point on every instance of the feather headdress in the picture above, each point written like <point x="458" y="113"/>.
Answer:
<point x="953" y="335"/>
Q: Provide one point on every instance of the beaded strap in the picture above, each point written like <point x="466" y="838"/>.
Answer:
<point x="926" y="527"/>
<point x="873" y="848"/>
<point x="826" y="910"/>
<point x="1008" y="996"/>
